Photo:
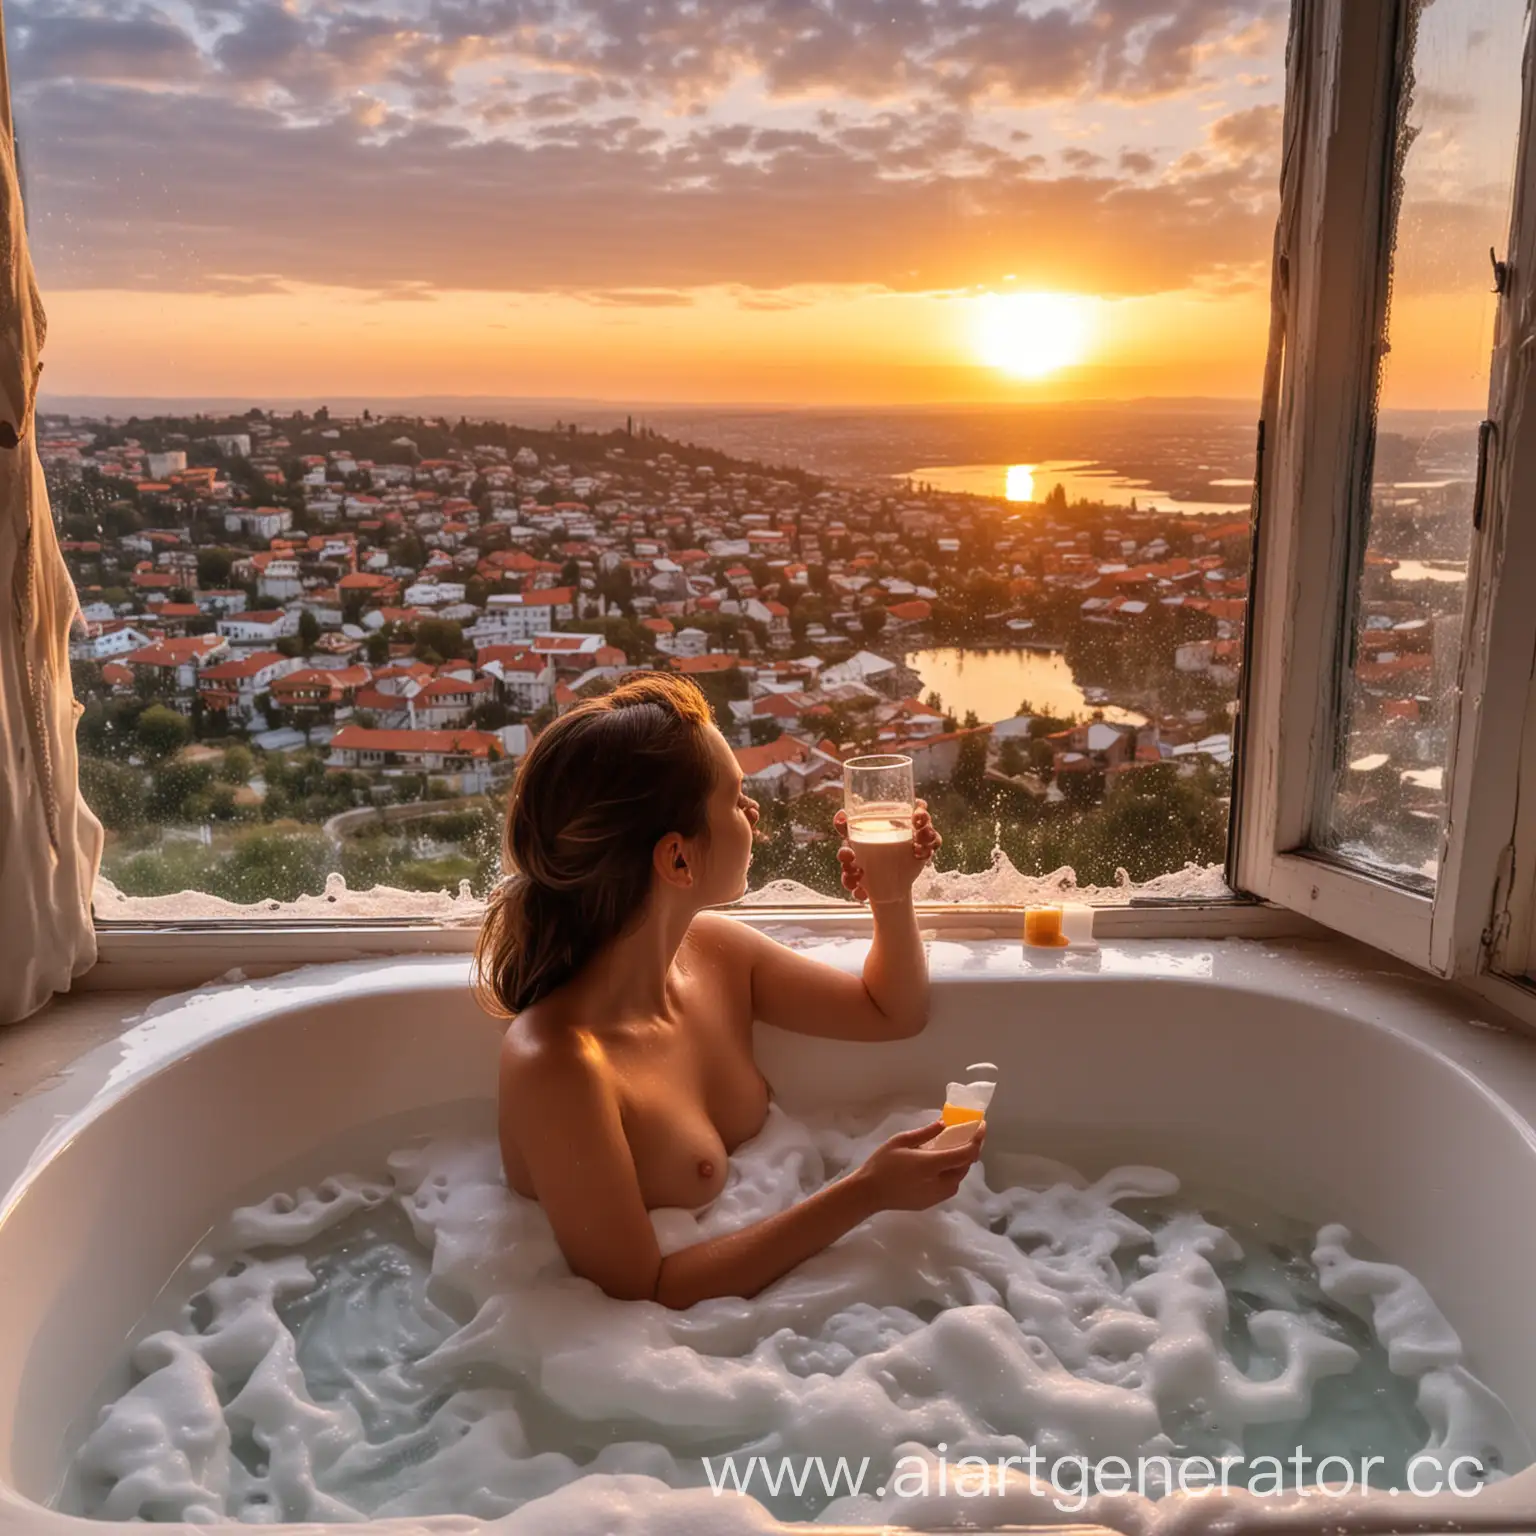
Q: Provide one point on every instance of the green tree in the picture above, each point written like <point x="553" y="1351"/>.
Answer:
<point x="273" y="864"/>
<point x="114" y="791"/>
<point x="213" y="566"/>
<point x="440" y="638"/>
<point x="161" y="732"/>
<point x="872" y="621"/>
<point x="176" y="791"/>
<point x="238" y="765"/>
<point x="969" y="777"/>
<point x="309" y="629"/>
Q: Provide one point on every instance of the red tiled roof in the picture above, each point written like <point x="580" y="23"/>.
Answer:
<point x="358" y="738"/>
<point x="175" y="653"/>
<point x="716" y="661"/>
<point x="442" y="687"/>
<point x="785" y="750"/>
<point x="247" y="666"/>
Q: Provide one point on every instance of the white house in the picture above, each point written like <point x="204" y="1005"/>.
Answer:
<point x="522" y="615"/>
<point x="526" y="679"/>
<point x="264" y="627"/>
<point x="219" y="601"/>
<point x="889" y="677"/>
<point x="233" y="686"/>
<point x="433" y="594"/>
<point x="470" y="761"/>
<point x="103" y="641"/>
<point x="173" y="665"/>
<point x="281" y="580"/>
<point x="259" y="522"/>
<point x="447" y="701"/>
<point x="163" y="465"/>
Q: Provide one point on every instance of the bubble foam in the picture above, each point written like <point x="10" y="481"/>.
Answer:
<point x="414" y="1344"/>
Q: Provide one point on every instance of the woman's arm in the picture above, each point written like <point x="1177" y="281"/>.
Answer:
<point x="889" y="1001"/>
<point x="565" y="1121"/>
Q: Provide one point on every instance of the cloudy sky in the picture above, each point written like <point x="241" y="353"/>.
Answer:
<point x="796" y="200"/>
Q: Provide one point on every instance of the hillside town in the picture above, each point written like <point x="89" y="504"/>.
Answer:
<point x="391" y="609"/>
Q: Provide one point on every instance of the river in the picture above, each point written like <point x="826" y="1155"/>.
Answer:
<point x="1081" y="481"/>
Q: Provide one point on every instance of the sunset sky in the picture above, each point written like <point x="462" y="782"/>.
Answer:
<point x="806" y="201"/>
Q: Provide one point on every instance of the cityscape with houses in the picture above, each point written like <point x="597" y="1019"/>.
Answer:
<point x="314" y="645"/>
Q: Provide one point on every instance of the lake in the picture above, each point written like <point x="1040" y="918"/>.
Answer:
<point x="995" y="682"/>
<point x="1081" y="480"/>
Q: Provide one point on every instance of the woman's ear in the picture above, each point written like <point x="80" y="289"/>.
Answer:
<point x="671" y="861"/>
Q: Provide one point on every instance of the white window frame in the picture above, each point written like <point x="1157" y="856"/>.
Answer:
<point x="1492" y="940"/>
<point x="1330" y="289"/>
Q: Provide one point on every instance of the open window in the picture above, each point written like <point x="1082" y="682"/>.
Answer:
<point x="1395" y="431"/>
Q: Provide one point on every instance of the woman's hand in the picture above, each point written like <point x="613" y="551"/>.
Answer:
<point x="906" y="1174"/>
<point x="900" y="872"/>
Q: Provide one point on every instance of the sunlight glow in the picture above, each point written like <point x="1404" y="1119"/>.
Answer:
<point x="1031" y="335"/>
<point x="1020" y="485"/>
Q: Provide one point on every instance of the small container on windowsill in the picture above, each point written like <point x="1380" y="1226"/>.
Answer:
<point x="1059" y="926"/>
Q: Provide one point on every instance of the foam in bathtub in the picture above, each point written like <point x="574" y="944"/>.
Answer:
<point x="415" y="1344"/>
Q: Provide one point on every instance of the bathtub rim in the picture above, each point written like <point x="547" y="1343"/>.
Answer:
<point x="1492" y="1055"/>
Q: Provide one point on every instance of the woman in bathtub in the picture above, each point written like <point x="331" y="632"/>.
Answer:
<point x="627" y="1075"/>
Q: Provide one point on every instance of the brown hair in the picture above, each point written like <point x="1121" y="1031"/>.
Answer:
<point x="600" y="787"/>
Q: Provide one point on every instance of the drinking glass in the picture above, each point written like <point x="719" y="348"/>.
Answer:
<point x="879" y="800"/>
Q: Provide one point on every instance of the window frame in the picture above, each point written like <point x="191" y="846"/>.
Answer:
<point x="1332" y="247"/>
<point x="177" y="955"/>
<point x="1487" y="932"/>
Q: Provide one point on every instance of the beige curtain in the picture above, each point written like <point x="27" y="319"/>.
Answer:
<point x="50" y="843"/>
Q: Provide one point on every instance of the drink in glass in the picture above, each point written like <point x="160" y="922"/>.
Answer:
<point x="879" y="801"/>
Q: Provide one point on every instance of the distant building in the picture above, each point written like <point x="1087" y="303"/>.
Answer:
<point x="469" y="761"/>
<point x="259" y="522"/>
<point x="263" y="628"/>
<point x="512" y="616"/>
<point x="233" y="686"/>
<point x="172" y="666"/>
<point x="113" y="638"/>
<point x="786" y="768"/>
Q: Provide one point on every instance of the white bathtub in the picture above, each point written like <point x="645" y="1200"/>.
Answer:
<point x="1331" y="1091"/>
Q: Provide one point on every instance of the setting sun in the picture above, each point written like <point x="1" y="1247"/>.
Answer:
<point x="1032" y="335"/>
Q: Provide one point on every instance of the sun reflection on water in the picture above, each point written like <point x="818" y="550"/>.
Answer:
<point x="1020" y="484"/>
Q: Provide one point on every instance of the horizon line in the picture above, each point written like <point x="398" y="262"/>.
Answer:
<point x="50" y="402"/>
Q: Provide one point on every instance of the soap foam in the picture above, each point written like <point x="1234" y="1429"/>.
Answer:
<point x="415" y="1344"/>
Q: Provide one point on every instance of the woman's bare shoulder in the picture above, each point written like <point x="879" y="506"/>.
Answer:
<point x="716" y="936"/>
<point x="543" y="1045"/>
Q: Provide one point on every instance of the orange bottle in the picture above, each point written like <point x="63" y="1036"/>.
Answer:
<point x="1042" y="927"/>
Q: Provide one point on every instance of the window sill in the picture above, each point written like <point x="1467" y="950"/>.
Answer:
<point x="171" y="956"/>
